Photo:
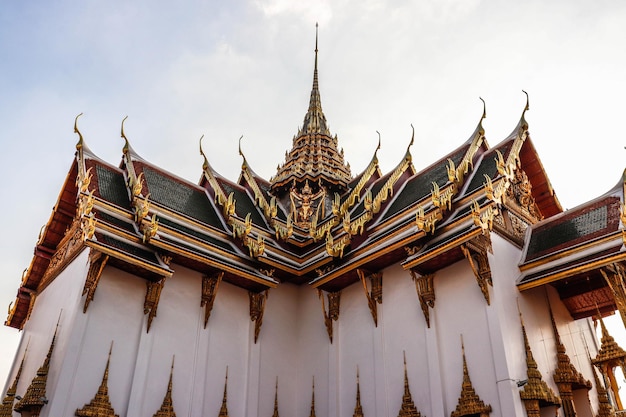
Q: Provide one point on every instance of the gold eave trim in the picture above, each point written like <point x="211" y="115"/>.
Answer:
<point x="569" y="252"/>
<point x="186" y="220"/>
<point x="450" y="245"/>
<point x="573" y="271"/>
<point x="130" y="259"/>
<point x="192" y="241"/>
<point x="358" y="262"/>
<point x="211" y="263"/>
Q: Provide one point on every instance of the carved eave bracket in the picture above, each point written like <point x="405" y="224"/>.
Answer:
<point x="374" y="295"/>
<point x="427" y="222"/>
<point x="425" y="293"/>
<point x="210" y="284"/>
<point x="475" y="252"/>
<point x="97" y="262"/>
<point x="334" y="299"/>
<point x="257" y="309"/>
<point x="484" y="217"/>
<point x="151" y="302"/>
<point x="615" y="277"/>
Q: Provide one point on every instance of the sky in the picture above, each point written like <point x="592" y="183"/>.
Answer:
<point x="223" y="69"/>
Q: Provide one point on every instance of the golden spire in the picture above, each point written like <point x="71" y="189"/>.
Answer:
<point x="312" y="414"/>
<point x="469" y="402"/>
<point x="536" y="392"/>
<point x="609" y="357"/>
<point x="6" y="408"/>
<point x="358" y="410"/>
<point x="276" y="400"/>
<point x="100" y="405"/>
<point x="565" y="371"/>
<point x="314" y="120"/>
<point x="167" y="407"/>
<point x="610" y="352"/>
<point x="224" y="408"/>
<point x="605" y="409"/>
<point x="314" y="155"/>
<point x="35" y="397"/>
<point x="407" y="409"/>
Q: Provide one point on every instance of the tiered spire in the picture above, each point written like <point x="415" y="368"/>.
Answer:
<point x="312" y="414"/>
<point x="35" y="397"/>
<point x="100" y="405"/>
<point x="314" y="156"/>
<point x="536" y="392"/>
<point x="167" y="407"/>
<point x="469" y="403"/>
<point x="358" y="410"/>
<point x="276" y="400"/>
<point x="566" y="375"/>
<point x="224" y="408"/>
<point x="314" y="120"/>
<point x="6" y="408"/>
<point x="407" y="409"/>
<point x="609" y="357"/>
<point x="605" y="409"/>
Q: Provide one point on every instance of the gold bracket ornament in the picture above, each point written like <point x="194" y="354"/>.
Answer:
<point x="426" y="222"/>
<point x="333" y="310"/>
<point x="336" y="248"/>
<point x="151" y="302"/>
<point x="442" y="200"/>
<point x="209" y="291"/>
<point x="97" y="262"/>
<point x="375" y="293"/>
<point x="425" y="293"/>
<point x="150" y="229"/>
<point x="256" y="247"/>
<point x="257" y="308"/>
<point x="85" y="204"/>
<point x="615" y="277"/>
<point x="476" y="253"/>
<point x="283" y="232"/>
<point x="142" y="208"/>
<point x="484" y="218"/>
<point x="88" y="226"/>
<point x="83" y="181"/>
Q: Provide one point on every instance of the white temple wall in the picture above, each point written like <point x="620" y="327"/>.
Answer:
<point x="294" y="345"/>
<point x="59" y="302"/>
<point x="114" y="316"/>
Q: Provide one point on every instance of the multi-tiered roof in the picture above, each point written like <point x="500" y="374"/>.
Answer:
<point x="312" y="223"/>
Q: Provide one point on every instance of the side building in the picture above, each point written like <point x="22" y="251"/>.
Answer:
<point x="462" y="289"/>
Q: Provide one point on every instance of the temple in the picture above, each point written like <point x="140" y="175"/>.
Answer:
<point x="150" y="295"/>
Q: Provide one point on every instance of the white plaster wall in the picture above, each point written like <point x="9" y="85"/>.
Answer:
<point x="294" y="346"/>
<point x="59" y="302"/>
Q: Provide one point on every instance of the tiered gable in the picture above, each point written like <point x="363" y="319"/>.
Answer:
<point x="580" y="252"/>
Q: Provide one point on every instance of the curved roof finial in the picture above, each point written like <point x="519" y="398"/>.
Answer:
<point x="378" y="147"/>
<point x="412" y="136"/>
<point x="484" y="108"/>
<point x="527" y="101"/>
<point x="240" y="152"/>
<point x="79" y="145"/>
<point x="123" y="135"/>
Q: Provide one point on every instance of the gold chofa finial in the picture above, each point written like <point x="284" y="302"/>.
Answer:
<point x="527" y="101"/>
<point x="412" y="136"/>
<point x="79" y="145"/>
<point x="484" y="108"/>
<point x="240" y="151"/>
<point x="123" y="135"/>
<point x="379" y="141"/>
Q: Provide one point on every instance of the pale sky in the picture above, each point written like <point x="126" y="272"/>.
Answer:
<point x="231" y="68"/>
